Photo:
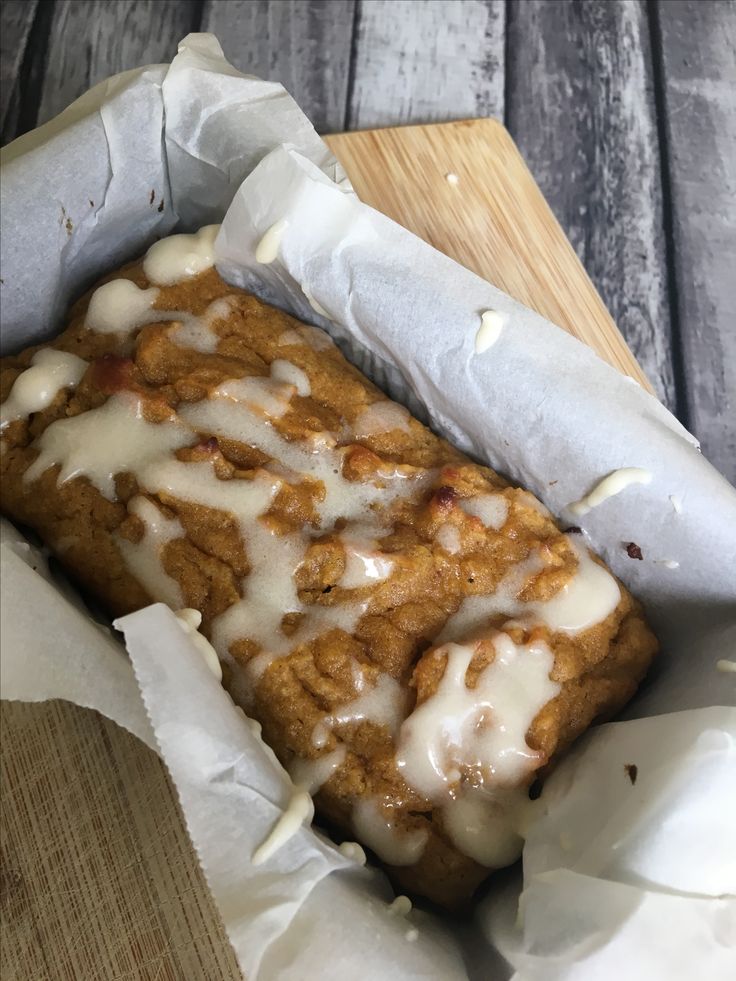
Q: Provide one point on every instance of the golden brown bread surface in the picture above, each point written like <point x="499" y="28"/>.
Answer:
<point x="437" y="553"/>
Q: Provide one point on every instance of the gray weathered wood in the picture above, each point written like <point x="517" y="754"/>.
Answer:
<point x="16" y="27"/>
<point x="419" y="61"/>
<point x="305" y="44"/>
<point x="92" y="39"/>
<point x="581" y="109"/>
<point x="699" y="69"/>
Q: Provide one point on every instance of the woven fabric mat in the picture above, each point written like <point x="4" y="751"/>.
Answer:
<point x="98" y="878"/>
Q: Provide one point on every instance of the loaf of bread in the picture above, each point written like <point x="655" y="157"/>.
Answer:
<point x="417" y="638"/>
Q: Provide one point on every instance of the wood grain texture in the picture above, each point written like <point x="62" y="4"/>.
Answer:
<point x="17" y="20"/>
<point x="581" y="110"/>
<point x="99" y="879"/>
<point x="92" y="39"/>
<point x="421" y="61"/>
<point x="304" y="44"/>
<point x="494" y="220"/>
<point x="699" y="82"/>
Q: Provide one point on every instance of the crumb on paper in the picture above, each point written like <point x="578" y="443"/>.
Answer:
<point x="69" y="226"/>
<point x="91" y="203"/>
<point x="552" y="483"/>
<point x="412" y="935"/>
<point x="632" y="772"/>
<point x="452" y="178"/>
<point x="633" y="551"/>
<point x="152" y="197"/>
<point x="728" y="667"/>
<point x="573" y="530"/>
<point x="161" y="206"/>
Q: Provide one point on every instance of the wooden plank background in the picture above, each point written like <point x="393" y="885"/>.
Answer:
<point x="625" y="111"/>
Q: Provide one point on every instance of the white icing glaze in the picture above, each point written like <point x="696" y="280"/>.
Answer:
<point x="320" y="735"/>
<point x="395" y="846"/>
<point x="310" y="775"/>
<point x="380" y="417"/>
<point x="412" y="935"/>
<point x="613" y="484"/>
<point x="191" y="621"/>
<point x="668" y="563"/>
<point x="452" y="179"/>
<point x="676" y="503"/>
<point x="119" y="307"/>
<point x="401" y="906"/>
<point x="590" y="596"/>
<point x="196" y="333"/>
<point x="315" y="304"/>
<point x="224" y="414"/>
<point x="180" y="257"/>
<point x="267" y="249"/>
<point x="351" y="849"/>
<point x="103" y="442"/>
<point x="492" y="509"/>
<point x="285" y="371"/>
<point x="300" y="808"/>
<point x="491" y="325"/>
<point x="485" y="826"/>
<point x="304" y="334"/>
<point x="262" y="395"/>
<point x="364" y="564"/>
<point x="143" y="558"/>
<point x="384" y="704"/>
<point x="448" y="537"/>
<point x="483" y="729"/>
<point x="479" y="733"/>
<point x="36" y="388"/>
<point x="728" y="667"/>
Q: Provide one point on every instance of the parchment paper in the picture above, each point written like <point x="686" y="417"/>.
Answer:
<point x="178" y="146"/>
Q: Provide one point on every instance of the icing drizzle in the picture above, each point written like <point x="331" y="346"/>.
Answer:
<point x="36" y="388"/>
<point x="463" y="748"/>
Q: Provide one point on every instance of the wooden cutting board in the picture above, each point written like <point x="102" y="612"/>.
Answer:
<point x="98" y="878"/>
<point x="464" y="188"/>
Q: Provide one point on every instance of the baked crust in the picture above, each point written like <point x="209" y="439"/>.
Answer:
<point x="596" y="670"/>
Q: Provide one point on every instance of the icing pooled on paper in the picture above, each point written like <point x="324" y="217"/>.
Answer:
<point x="611" y="485"/>
<point x="491" y="325"/>
<point x="299" y="810"/>
<point x="267" y="249"/>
